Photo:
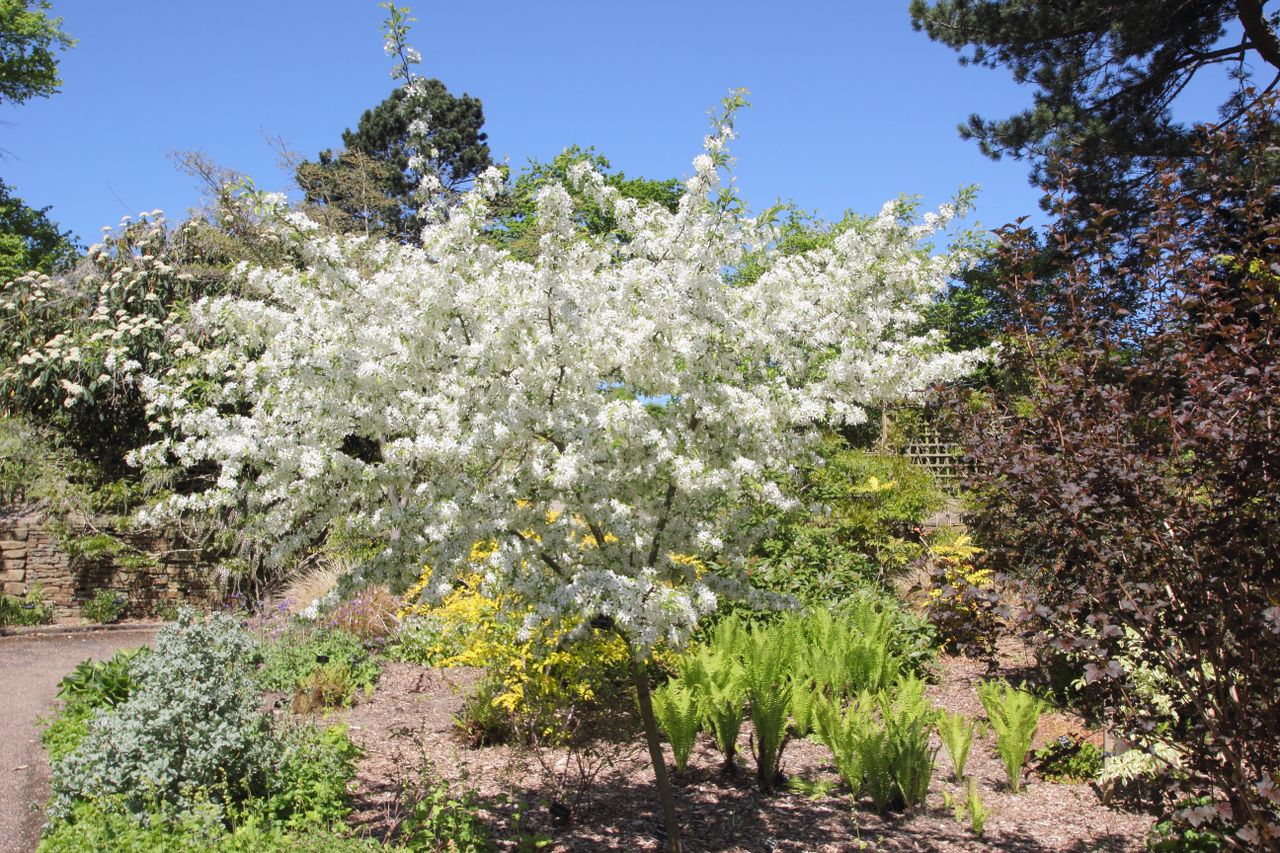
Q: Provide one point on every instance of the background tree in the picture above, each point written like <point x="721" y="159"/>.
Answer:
<point x="515" y="219"/>
<point x="29" y="38"/>
<point x="1106" y="74"/>
<point x="372" y="182"/>
<point x="29" y="240"/>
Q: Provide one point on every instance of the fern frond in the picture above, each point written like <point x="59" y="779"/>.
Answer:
<point x="1014" y="715"/>
<point x="676" y="709"/>
<point x="956" y="732"/>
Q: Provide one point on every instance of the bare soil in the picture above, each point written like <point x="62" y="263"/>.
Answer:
<point x="601" y="796"/>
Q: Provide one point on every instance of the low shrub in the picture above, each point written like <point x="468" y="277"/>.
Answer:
<point x="962" y="602"/>
<point x="192" y="722"/>
<point x="865" y="532"/>
<point x="30" y="609"/>
<point x="111" y="824"/>
<point x="482" y="720"/>
<point x="1142" y="778"/>
<point x="294" y="657"/>
<point x="531" y="680"/>
<point x="1180" y="836"/>
<point x="203" y="770"/>
<point x="441" y="820"/>
<point x="1068" y="759"/>
<point x="167" y="610"/>
<point x="90" y="687"/>
<point x="328" y="686"/>
<point x="106" y="606"/>
<point x="309" y="785"/>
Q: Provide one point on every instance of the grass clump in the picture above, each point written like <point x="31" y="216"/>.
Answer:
<point x="105" y="607"/>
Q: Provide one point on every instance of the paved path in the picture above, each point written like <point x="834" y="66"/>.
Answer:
<point x="30" y="668"/>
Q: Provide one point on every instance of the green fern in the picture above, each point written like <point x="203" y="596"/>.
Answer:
<point x="675" y="707"/>
<point x="877" y="768"/>
<point x="844" y="733"/>
<point x="978" y="813"/>
<point x="767" y="660"/>
<point x="956" y="732"/>
<point x="720" y="685"/>
<point x="880" y="744"/>
<point x="867" y="639"/>
<point x="805" y="697"/>
<point x="908" y="722"/>
<point x="1014" y="715"/>
<point x="730" y="637"/>
<point x="847" y="654"/>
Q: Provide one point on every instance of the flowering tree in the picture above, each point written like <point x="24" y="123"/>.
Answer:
<point x="594" y="413"/>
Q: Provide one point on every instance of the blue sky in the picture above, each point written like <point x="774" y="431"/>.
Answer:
<point x="850" y="106"/>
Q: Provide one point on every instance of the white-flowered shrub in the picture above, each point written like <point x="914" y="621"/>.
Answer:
<point x="596" y="414"/>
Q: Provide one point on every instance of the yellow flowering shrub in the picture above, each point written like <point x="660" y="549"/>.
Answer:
<point x="961" y="601"/>
<point x="530" y="680"/>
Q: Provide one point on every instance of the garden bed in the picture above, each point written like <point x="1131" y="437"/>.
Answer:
<point x="407" y="725"/>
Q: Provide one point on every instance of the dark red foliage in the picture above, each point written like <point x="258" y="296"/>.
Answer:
<point x="1129" y="474"/>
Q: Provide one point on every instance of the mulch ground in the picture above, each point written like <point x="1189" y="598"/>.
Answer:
<point x="606" y="787"/>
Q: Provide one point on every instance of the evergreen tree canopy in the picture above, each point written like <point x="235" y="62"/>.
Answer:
<point x="1106" y="73"/>
<point x="372" y="181"/>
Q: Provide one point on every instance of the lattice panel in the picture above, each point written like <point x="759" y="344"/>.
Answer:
<point x="941" y="458"/>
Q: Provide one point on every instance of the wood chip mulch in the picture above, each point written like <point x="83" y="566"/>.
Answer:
<point x="407" y="731"/>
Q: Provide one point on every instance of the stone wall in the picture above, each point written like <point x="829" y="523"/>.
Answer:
<point x="30" y="555"/>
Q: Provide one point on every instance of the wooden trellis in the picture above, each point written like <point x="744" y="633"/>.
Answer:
<point x="941" y="458"/>
<point x="928" y="447"/>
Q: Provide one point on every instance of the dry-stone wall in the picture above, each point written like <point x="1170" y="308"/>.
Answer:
<point x="30" y="555"/>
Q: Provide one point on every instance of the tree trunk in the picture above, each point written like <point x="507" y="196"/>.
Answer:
<point x="641" y="678"/>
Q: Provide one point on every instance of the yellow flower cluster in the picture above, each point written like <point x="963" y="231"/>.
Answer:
<point x="955" y="563"/>
<point x="963" y="619"/>
<point x="547" y="668"/>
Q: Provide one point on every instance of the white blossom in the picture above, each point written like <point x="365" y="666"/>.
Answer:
<point x="590" y="413"/>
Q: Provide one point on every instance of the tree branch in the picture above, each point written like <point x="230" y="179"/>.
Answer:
<point x="1259" y="31"/>
<point x="1234" y="50"/>
<point x="662" y="524"/>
